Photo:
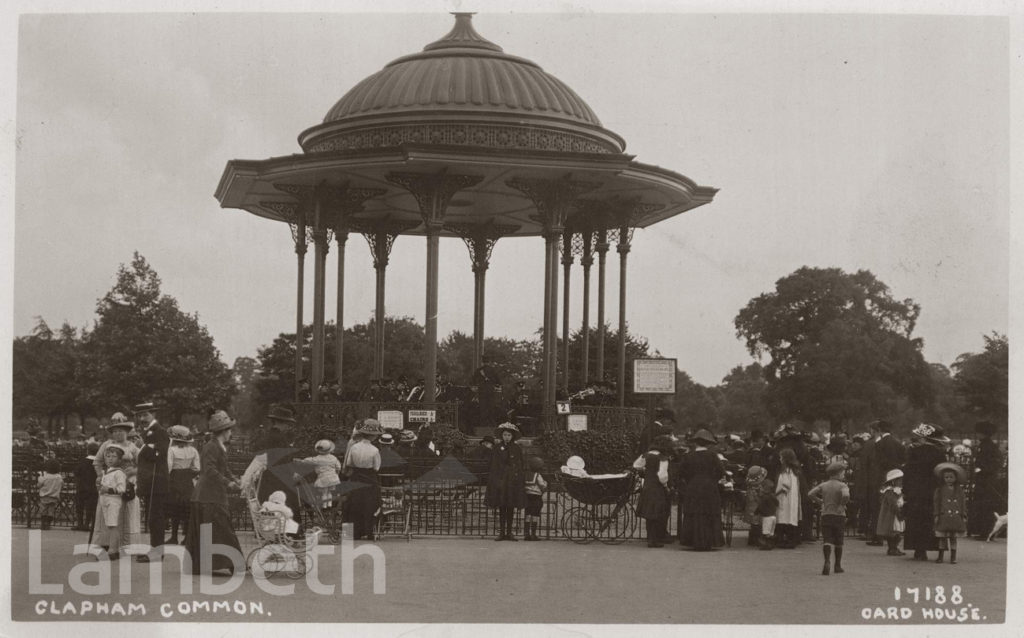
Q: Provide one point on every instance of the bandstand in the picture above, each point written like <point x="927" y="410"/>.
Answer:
<point x="462" y="140"/>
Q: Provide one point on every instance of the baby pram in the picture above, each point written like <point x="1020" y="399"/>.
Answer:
<point x="603" y="508"/>
<point x="277" y="552"/>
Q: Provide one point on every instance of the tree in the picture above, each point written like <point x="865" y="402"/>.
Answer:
<point x="839" y="345"/>
<point x="693" y="404"/>
<point x="512" y="359"/>
<point x="741" y="400"/>
<point x="245" y="403"/>
<point x="45" y="374"/>
<point x="982" y="379"/>
<point x="403" y="354"/>
<point x="144" y="347"/>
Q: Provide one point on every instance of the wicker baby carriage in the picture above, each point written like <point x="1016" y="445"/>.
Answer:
<point x="599" y="508"/>
<point x="277" y="552"/>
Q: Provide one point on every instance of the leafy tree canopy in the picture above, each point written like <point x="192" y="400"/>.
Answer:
<point x="144" y="347"/>
<point x="839" y="346"/>
<point x="982" y="379"/>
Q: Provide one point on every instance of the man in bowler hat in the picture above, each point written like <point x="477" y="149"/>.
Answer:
<point x="153" y="475"/>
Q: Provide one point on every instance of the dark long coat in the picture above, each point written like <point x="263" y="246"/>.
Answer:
<point x="506" y="484"/>
<point x="210" y="507"/>
<point x="702" y="505"/>
<point x="919" y="485"/>
<point x="889" y="454"/>
<point x="153" y="471"/>
<point x="214" y="476"/>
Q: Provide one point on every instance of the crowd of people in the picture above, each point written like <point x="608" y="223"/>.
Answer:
<point x="889" y="491"/>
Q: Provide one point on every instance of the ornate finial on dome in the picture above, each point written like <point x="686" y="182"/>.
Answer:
<point x="463" y="36"/>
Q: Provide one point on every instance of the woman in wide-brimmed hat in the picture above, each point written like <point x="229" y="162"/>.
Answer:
<point x="183" y="462"/>
<point x="506" y="485"/>
<point x="927" y="449"/>
<point x="700" y="470"/>
<point x="362" y="465"/>
<point x="209" y="507"/>
<point x="129" y="520"/>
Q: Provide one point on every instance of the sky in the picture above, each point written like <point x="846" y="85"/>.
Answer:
<point x="878" y="142"/>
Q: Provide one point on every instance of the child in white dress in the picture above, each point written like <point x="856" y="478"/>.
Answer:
<point x="327" y="468"/>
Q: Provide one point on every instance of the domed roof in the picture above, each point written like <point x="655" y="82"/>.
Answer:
<point x="462" y="79"/>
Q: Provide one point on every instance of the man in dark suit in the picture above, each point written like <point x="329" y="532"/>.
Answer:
<point x="153" y="475"/>
<point x="889" y="452"/>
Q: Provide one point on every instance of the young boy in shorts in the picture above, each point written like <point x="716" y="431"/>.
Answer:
<point x="832" y="496"/>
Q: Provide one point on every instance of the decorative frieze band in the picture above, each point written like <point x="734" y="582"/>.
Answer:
<point x="455" y="134"/>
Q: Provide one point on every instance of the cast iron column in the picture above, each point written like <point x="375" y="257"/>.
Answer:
<point x="432" y="191"/>
<point x="299" y="236"/>
<point x="626" y="214"/>
<point x="602" y="257"/>
<point x="553" y="198"/>
<point x="623" y="249"/>
<point x="480" y="240"/>
<point x="341" y="237"/>
<point x="551" y="332"/>
<point x="342" y="202"/>
<point x="586" y="261"/>
<point x="380" y="264"/>
<point x="567" y="267"/>
<point x="321" y="244"/>
<point x="380" y="236"/>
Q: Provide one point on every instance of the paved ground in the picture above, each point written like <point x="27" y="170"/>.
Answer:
<point x="435" y="580"/>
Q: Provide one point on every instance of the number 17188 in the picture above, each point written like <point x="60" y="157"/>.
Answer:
<point x="937" y="594"/>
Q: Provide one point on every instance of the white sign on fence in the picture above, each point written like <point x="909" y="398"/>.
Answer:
<point x="654" y="376"/>
<point x="391" y="419"/>
<point x="563" y="407"/>
<point x="422" y="416"/>
<point x="577" y="422"/>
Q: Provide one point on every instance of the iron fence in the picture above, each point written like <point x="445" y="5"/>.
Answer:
<point x="439" y="505"/>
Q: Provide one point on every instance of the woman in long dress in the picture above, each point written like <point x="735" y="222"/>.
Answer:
<point x="926" y="451"/>
<point x="653" y="505"/>
<point x="129" y="521"/>
<point x="701" y="470"/>
<point x="362" y="463"/>
<point x="787" y="490"/>
<point x="209" y="507"/>
<point x="183" y="468"/>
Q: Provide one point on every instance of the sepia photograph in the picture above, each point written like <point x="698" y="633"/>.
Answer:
<point x="537" y="318"/>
